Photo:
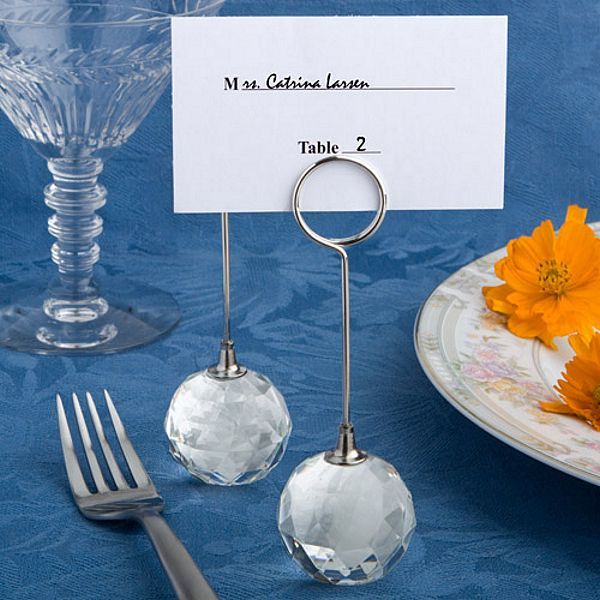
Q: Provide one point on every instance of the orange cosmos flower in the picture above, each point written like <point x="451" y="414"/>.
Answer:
<point x="552" y="281"/>
<point x="579" y="389"/>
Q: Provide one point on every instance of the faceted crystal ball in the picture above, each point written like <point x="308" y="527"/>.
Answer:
<point x="346" y="525"/>
<point x="228" y="431"/>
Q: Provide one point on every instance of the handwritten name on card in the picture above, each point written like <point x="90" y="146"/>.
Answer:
<point x="256" y="100"/>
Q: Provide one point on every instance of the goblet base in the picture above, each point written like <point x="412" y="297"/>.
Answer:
<point x="137" y="315"/>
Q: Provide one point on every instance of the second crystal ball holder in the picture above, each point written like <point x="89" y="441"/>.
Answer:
<point x="345" y="516"/>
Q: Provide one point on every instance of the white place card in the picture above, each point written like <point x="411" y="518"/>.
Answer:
<point x="258" y="99"/>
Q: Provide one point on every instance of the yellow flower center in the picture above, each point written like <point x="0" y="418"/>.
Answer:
<point x="596" y="394"/>
<point x="553" y="277"/>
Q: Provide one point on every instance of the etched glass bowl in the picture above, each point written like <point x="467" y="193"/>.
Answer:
<point x="76" y="80"/>
<point x="346" y="524"/>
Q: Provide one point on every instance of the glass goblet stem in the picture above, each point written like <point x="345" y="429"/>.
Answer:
<point x="75" y="195"/>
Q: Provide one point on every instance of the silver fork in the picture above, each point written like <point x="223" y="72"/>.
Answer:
<point x="141" y="503"/>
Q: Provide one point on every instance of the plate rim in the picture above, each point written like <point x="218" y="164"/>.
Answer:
<point x="503" y="436"/>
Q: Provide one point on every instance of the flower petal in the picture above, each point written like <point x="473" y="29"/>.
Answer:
<point x="557" y="407"/>
<point x="496" y="299"/>
<point x="576" y="214"/>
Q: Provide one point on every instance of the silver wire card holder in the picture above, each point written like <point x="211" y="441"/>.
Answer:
<point x="329" y="493"/>
<point x="346" y="451"/>
<point x="227" y="425"/>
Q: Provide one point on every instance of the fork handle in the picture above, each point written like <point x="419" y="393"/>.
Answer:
<point x="185" y="576"/>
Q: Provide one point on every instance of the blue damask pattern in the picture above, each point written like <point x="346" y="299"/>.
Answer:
<point x="492" y="522"/>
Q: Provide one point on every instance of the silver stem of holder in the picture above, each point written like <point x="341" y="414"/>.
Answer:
<point x="346" y="452"/>
<point x="226" y="277"/>
<point x="227" y="367"/>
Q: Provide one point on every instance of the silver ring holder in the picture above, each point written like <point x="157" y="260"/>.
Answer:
<point x="346" y="452"/>
<point x="345" y="516"/>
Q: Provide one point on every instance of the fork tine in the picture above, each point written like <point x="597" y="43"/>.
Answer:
<point x="74" y="474"/>
<point x="133" y="460"/>
<point x="113" y="466"/>
<point x="89" y="449"/>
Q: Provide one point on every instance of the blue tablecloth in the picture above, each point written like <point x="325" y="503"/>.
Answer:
<point x="492" y="523"/>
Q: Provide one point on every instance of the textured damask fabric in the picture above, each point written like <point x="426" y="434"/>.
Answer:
<point x="492" y="523"/>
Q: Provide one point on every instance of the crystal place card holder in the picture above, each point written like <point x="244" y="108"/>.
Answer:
<point x="345" y="516"/>
<point x="228" y="425"/>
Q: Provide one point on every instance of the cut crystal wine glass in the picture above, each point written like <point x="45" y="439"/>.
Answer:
<point x="76" y="80"/>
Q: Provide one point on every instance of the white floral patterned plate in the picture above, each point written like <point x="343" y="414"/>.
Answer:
<point x="496" y="379"/>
